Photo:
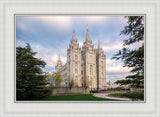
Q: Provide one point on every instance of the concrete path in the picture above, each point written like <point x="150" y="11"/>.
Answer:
<point x="105" y="95"/>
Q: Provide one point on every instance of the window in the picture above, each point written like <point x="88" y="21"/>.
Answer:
<point x="76" y="64"/>
<point x="102" y="70"/>
<point x="81" y="72"/>
<point x="101" y="62"/>
<point x="76" y="57"/>
<point x="91" y="70"/>
<point x="76" y="71"/>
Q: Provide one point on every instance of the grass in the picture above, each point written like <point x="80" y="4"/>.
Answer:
<point x="83" y="97"/>
<point x="133" y="96"/>
<point x="121" y="95"/>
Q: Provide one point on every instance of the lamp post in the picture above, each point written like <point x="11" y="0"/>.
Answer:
<point x="91" y="85"/>
<point x="66" y="86"/>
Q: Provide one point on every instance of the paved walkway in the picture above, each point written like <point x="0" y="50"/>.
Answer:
<point x="105" y="95"/>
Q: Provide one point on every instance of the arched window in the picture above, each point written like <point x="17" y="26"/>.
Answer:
<point x="90" y="58"/>
<point x="76" y="57"/>
<point x="91" y="70"/>
<point x="102" y="70"/>
<point x="76" y="71"/>
<point x="102" y="73"/>
<point x="101" y="62"/>
<point x="76" y="64"/>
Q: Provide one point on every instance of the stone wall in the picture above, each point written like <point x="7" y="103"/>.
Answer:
<point x="63" y="90"/>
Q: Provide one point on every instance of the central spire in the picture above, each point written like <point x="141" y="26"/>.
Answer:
<point x="87" y="36"/>
<point x="87" y="28"/>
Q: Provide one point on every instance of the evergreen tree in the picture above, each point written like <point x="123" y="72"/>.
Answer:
<point x="133" y="59"/>
<point x="30" y="79"/>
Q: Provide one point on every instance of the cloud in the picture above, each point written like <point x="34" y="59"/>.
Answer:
<point x="62" y="22"/>
<point x="80" y="44"/>
<point x="112" y="46"/>
<point x="51" y="60"/>
<point x="50" y="56"/>
<point x="135" y="45"/>
<point x="113" y="67"/>
<point x="115" y="77"/>
<point x="115" y="70"/>
<point x="96" y="19"/>
<point x="20" y="43"/>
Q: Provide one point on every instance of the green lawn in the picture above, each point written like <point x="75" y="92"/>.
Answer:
<point x="121" y="95"/>
<point x="128" y="95"/>
<point x="83" y="97"/>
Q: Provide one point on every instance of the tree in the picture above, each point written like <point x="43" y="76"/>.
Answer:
<point x="86" y="84"/>
<point x="30" y="79"/>
<point x="133" y="59"/>
<point x="48" y="77"/>
<point x="75" y="82"/>
<point x="71" y="84"/>
<point x="56" y="79"/>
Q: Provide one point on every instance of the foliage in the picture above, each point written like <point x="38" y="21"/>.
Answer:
<point x="71" y="84"/>
<point x="75" y="82"/>
<point x="86" y="84"/>
<point x="128" y="95"/>
<point x="94" y="91"/>
<point x="57" y="79"/>
<point x="48" y="77"/>
<point x="30" y="81"/>
<point x="135" y="95"/>
<point x="54" y="79"/>
<point x="133" y="59"/>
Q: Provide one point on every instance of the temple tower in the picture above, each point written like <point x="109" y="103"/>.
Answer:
<point x="101" y="67"/>
<point x="74" y="61"/>
<point x="89" y="59"/>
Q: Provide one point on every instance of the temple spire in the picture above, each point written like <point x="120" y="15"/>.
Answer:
<point x="74" y="37"/>
<point x="87" y="36"/>
<point x="58" y="64"/>
<point x="87" y="28"/>
<point x="98" y="44"/>
<point x="59" y="57"/>
<point x="73" y="31"/>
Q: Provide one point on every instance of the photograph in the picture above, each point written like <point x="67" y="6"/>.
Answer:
<point x="79" y="58"/>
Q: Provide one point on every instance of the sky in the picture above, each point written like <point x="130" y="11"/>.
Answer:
<point x="50" y="35"/>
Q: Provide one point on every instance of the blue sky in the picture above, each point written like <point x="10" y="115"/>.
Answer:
<point x="50" y="35"/>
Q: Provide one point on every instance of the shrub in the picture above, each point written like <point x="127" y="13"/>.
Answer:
<point x="135" y="95"/>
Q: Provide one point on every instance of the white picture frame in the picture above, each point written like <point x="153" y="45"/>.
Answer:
<point x="150" y="8"/>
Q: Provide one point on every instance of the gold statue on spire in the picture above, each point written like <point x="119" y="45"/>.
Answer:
<point x="87" y="27"/>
